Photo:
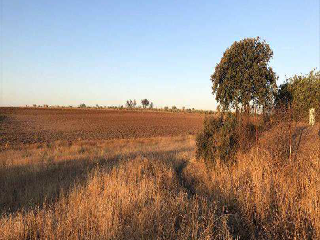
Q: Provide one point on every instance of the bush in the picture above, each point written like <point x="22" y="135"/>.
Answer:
<point x="305" y="93"/>
<point x="223" y="137"/>
<point x="302" y="93"/>
<point x="219" y="139"/>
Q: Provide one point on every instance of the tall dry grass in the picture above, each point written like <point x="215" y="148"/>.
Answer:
<point x="155" y="189"/>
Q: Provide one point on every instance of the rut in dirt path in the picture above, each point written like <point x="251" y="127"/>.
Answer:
<point x="183" y="182"/>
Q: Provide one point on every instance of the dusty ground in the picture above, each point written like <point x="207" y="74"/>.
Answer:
<point x="32" y="125"/>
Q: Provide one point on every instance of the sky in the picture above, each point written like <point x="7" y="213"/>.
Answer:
<point x="105" y="52"/>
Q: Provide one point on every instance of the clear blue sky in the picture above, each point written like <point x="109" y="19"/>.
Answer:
<point x="104" y="52"/>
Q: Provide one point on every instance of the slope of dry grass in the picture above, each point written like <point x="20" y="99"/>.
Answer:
<point x="154" y="188"/>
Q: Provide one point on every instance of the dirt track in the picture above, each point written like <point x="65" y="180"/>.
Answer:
<point x="32" y="125"/>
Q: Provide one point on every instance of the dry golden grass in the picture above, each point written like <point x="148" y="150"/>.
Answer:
<point x="155" y="189"/>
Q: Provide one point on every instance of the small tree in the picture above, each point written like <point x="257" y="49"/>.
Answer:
<point x="82" y="105"/>
<point x="244" y="77"/>
<point x="131" y="103"/>
<point x="145" y="102"/>
<point x="151" y="105"/>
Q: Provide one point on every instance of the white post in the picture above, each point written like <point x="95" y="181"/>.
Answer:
<point x="312" y="117"/>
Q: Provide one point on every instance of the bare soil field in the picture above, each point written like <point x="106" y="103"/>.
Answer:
<point x="36" y="125"/>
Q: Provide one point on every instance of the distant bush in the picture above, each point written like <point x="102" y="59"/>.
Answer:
<point x="82" y="105"/>
<point x="166" y="108"/>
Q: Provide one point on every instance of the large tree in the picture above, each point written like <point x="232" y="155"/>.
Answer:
<point x="243" y="77"/>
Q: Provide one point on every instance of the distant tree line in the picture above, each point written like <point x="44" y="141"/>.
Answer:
<point x="131" y="104"/>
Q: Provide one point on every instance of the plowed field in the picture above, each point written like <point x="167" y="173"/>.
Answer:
<point x="37" y="125"/>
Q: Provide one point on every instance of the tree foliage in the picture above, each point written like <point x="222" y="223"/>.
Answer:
<point x="243" y="76"/>
<point x="145" y="102"/>
<point x="301" y="92"/>
<point x="283" y="97"/>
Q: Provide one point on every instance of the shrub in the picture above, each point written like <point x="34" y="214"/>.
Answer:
<point x="301" y="92"/>
<point x="222" y="137"/>
<point x="219" y="139"/>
